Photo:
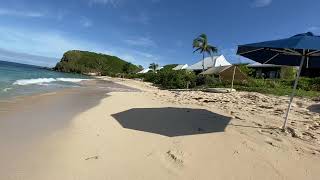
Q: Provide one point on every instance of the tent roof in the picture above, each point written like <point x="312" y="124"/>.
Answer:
<point x="180" y="66"/>
<point x="226" y="72"/>
<point x="208" y="62"/>
<point x="216" y="70"/>
<point x="144" y="71"/>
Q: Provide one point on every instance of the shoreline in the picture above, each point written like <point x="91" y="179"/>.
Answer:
<point x="158" y="134"/>
<point x="93" y="84"/>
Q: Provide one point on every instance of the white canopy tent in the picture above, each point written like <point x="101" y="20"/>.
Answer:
<point x="209" y="62"/>
<point x="227" y="73"/>
<point x="216" y="70"/>
<point x="180" y="67"/>
<point x="145" y="71"/>
<point x="159" y="68"/>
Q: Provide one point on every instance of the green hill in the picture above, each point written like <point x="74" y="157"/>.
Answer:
<point x="85" y="62"/>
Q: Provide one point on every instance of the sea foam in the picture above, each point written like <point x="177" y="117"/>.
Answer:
<point x="41" y="81"/>
<point x="6" y="89"/>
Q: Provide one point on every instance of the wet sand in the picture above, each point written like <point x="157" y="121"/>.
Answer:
<point x="38" y="115"/>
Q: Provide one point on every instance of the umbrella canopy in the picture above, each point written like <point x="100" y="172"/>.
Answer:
<point x="299" y="50"/>
<point x="285" y="51"/>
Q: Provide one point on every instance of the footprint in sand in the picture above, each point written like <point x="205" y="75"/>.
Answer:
<point x="274" y="142"/>
<point x="249" y="145"/>
<point x="175" y="157"/>
<point x="173" y="160"/>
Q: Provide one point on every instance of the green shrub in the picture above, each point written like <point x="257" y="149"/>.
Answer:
<point x="205" y="80"/>
<point x="170" y="79"/>
<point x="288" y="73"/>
<point x="151" y="77"/>
<point x="245" y="69"/>
<point x="168" y="67"/>
<point x="309" y="84"/>
<point x="134" y="76"/>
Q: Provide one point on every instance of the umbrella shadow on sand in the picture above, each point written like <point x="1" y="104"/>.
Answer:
<point x="314" y="108"/>
<point x="171" y="121"/>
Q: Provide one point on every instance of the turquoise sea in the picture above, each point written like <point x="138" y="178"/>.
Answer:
<point x="20" y="79"/>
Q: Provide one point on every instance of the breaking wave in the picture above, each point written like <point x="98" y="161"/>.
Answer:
<point x="41" y="81"/>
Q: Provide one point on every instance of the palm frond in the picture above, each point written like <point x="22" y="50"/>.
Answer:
<point x="195" y="43"/>
<point x="212" y="49"/>
<point x="209" y="52"/>
<point x="198" y="49"/>
<point x="203" y="36"/>
<point x="201" y="45"/>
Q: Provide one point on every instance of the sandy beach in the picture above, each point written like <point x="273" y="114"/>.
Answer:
<point x="127" y="129"/>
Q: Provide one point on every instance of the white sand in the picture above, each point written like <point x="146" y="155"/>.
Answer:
<point x="158" y="142"/>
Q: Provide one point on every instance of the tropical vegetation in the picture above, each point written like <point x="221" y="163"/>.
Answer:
<point x="85" y="62"/>
<point x="184" y="79"/>
<point x="88" y="62"/>
<point x="153" y="66"/>
<point x="201" y="45"/>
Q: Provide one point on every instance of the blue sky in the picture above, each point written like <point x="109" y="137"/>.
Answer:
<point x="146" y="31"/>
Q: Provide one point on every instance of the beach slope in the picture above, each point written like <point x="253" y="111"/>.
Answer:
<point x="156" y="134"/>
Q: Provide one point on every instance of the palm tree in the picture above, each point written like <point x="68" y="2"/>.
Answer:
<point x="153" y="66"/>
<point x="201" y="44"/>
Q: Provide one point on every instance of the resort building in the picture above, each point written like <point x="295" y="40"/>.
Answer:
<point x="268" y="71"/>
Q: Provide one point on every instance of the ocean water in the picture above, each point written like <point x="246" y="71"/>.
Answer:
<point x="20" y="79"/>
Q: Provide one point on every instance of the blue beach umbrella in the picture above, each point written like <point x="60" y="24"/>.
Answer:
<point x="301" y="50"/>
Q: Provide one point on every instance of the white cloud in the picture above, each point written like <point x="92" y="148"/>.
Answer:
<point x="45" y="43"/>
<point x="314" y="29"/>
<point x="20" y="13"/>
<point x="86" y="22"/>
<point x="114" y="3"/>
<point x="61" y="14"/>
<point x="141" y="18"/>
<point x="141" y="41"/>
<point x="147" y="55"/>
<point x="51" y="43"/>
<point x="261" y="3"/>
<point x="27" y="58"/>
<point x="105" y="2"/>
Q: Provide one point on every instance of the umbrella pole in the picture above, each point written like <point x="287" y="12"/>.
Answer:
<point x="293" y="92"/>
<point x="234" y="72"/>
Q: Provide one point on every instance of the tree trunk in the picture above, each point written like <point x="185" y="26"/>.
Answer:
<point x="202" y="62"/>
<point x="214" y="61"/>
